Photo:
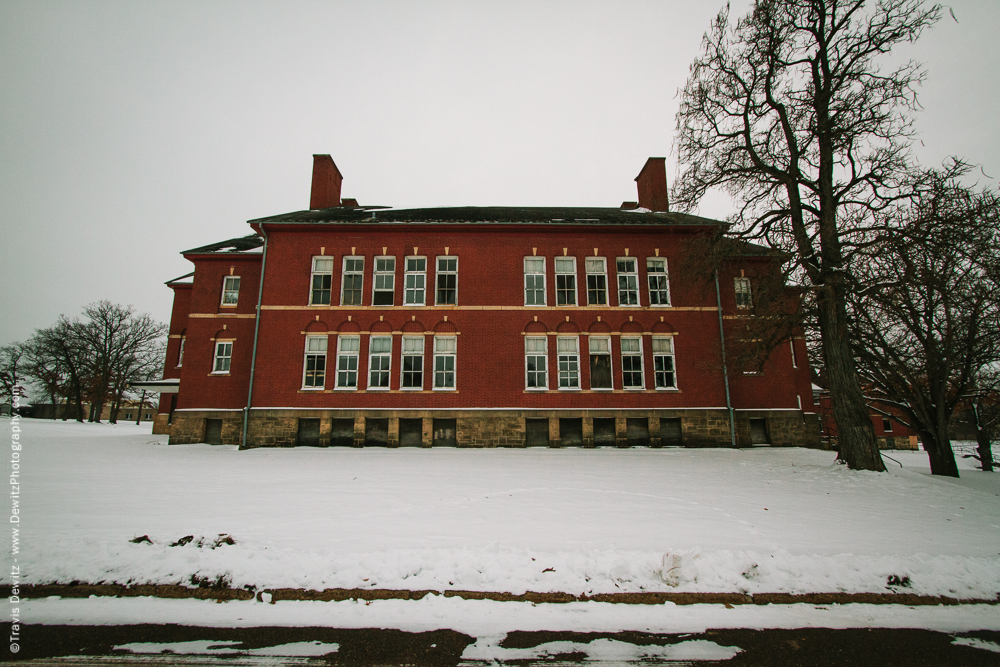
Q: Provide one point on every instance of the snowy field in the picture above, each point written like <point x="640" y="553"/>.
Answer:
<point x="571" y="520"/>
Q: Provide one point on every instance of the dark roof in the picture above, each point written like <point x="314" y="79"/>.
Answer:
<point x="491" y="215"/>
<point x="242" y="244"/>
<point x="740" y="248"/>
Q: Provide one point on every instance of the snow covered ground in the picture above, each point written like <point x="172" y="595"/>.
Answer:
<point x="568" y="520"/>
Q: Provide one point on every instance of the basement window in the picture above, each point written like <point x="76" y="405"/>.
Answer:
<point x="447" y="281"/>
<point x="321" y="281"/>
<point x="534" y="281"/>
<point x="347" y="361"/>
<point x="536" y="362"/>
<point x="385" y="279"/>
<point x="230" y="290"/>
<point x="354" y="278"/>
<point x="597" y="281"/>
<point x="628" y="281"/>
<point x="415" y="279"/>
<point x="565" y="281"/>
<point x="314" y="366"/>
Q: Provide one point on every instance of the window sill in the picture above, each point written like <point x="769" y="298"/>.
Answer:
<point x="633" y="389"/>
<point x="668" y="389"/>
<point x="444" y="389"/>
<point x="569" y="389"/>
<point x="214" y="374"/>
<point x="411" y="389"/>
<point x="312" y="389"/>
<point x="228" y="305"/>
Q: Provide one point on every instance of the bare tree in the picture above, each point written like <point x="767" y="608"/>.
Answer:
<point x="789" y="111"/>
<point x="12" y="371"/>
<point x="63" y="347"/>
<point x="926" y="316"/>
<point x="117" y="339"/>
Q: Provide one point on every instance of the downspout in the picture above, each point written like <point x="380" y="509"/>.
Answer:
<point x="256" y="333"/>
<point x="725" y="366"/>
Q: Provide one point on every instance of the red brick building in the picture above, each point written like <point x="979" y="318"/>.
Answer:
<point x="495" y="326"/>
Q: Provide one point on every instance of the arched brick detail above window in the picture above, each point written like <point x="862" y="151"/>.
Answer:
<point x="567" y="328"/>
<point x="663" y="327"/>
<point x="445" y="328"/>
<point x="380" y="326"/>
<point x="535" y="327"/>
<point x="599" y="328"/>
<point x="316" y="326"/>
<point x="414" y="326"/>
<point x="631" y="327"/>
<point x="348" y="327"/>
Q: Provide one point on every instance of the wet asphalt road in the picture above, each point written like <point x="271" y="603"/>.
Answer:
<point x="94" y="645"/>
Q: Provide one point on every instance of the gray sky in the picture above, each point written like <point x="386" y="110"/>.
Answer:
<point x="130" y="131"/>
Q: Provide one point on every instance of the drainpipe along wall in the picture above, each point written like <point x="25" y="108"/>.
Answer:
<point x="256" y="333"/>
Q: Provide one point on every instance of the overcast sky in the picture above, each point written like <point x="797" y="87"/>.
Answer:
<point x="130" y="131"/>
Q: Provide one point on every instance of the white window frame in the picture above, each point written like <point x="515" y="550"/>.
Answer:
<point x="570" y="274"/>
<point x="353" y="272"/>
<point x="384" y="275"/>
<point x="625" y="275"/>
<point x="744" y="297"/>
<point x="571" y="356"/>
<point x="653" y="274"/>
<point x="347" y="354"/>
<point x="603" y="273"/>
<point x="372" y="355"/>
<point x="417" y="275"/>
<point x="791" y="346"/>
<point x="411" y="354"/>
<point x="533" y="274"/>
<point x="316" y="273"/>
<point x="221" y="358"/>
<point x="633" y="354"/>
<point x="180" y="351"/>
<point x="611" y="363"/>
<point x="886" y="425"/>
<point x="320" y="341"/>
<point x="230" y="291"/>
<point x="437" y="276"/>
<point x="672" y="355"/>
<point x="543" y="354"/>
<point x="444" y="354"/>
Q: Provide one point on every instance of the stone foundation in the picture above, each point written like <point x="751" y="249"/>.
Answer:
<point x="500" y="428"/>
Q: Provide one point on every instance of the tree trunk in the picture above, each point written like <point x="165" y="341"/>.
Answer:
<point x="939" y="453"/>
<point x="983" y="442"/>
<point x="856" y="444"/>
<point x="142" y="402"/>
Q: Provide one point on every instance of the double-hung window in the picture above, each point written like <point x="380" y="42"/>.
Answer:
<point x="415" y="280"/>
<point x="534" y="281"/>
<point x="230" y="290"/>
<point x="536" y="362"/>
<point x="663" y="363"/>
<point x="314" y="368"/>
<point x="743" y="293"/>
<point x="568" y="350"/>
<point x="413" y="363"/>
<point x="597" y="281"/>
<point x="354" y="278"/>
<point x="322" y="281"/>
<point x="566" y="281"/>
<point x="347" y="361"/>
<point x="223" y="356"/>
<point x="628" y="281"/>
<point x="447" y="281"/>
<point x="385" y="279"/>
<point x="600" y="362"/>
<point x="379" y="358"/>
<point x="659" y="286"/>
<point x="632" y="363"/>
<point x="444" y="362"/>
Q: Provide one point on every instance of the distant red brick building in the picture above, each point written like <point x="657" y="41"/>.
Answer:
<point x="353" y="325"/>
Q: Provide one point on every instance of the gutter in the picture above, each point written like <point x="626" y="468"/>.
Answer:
<point x="256" y="334"/>
<point x="725" y="366"/>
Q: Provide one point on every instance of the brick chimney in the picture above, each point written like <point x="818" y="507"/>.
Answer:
<point x="326" y="183"/>
<point x="652" y="184"/>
